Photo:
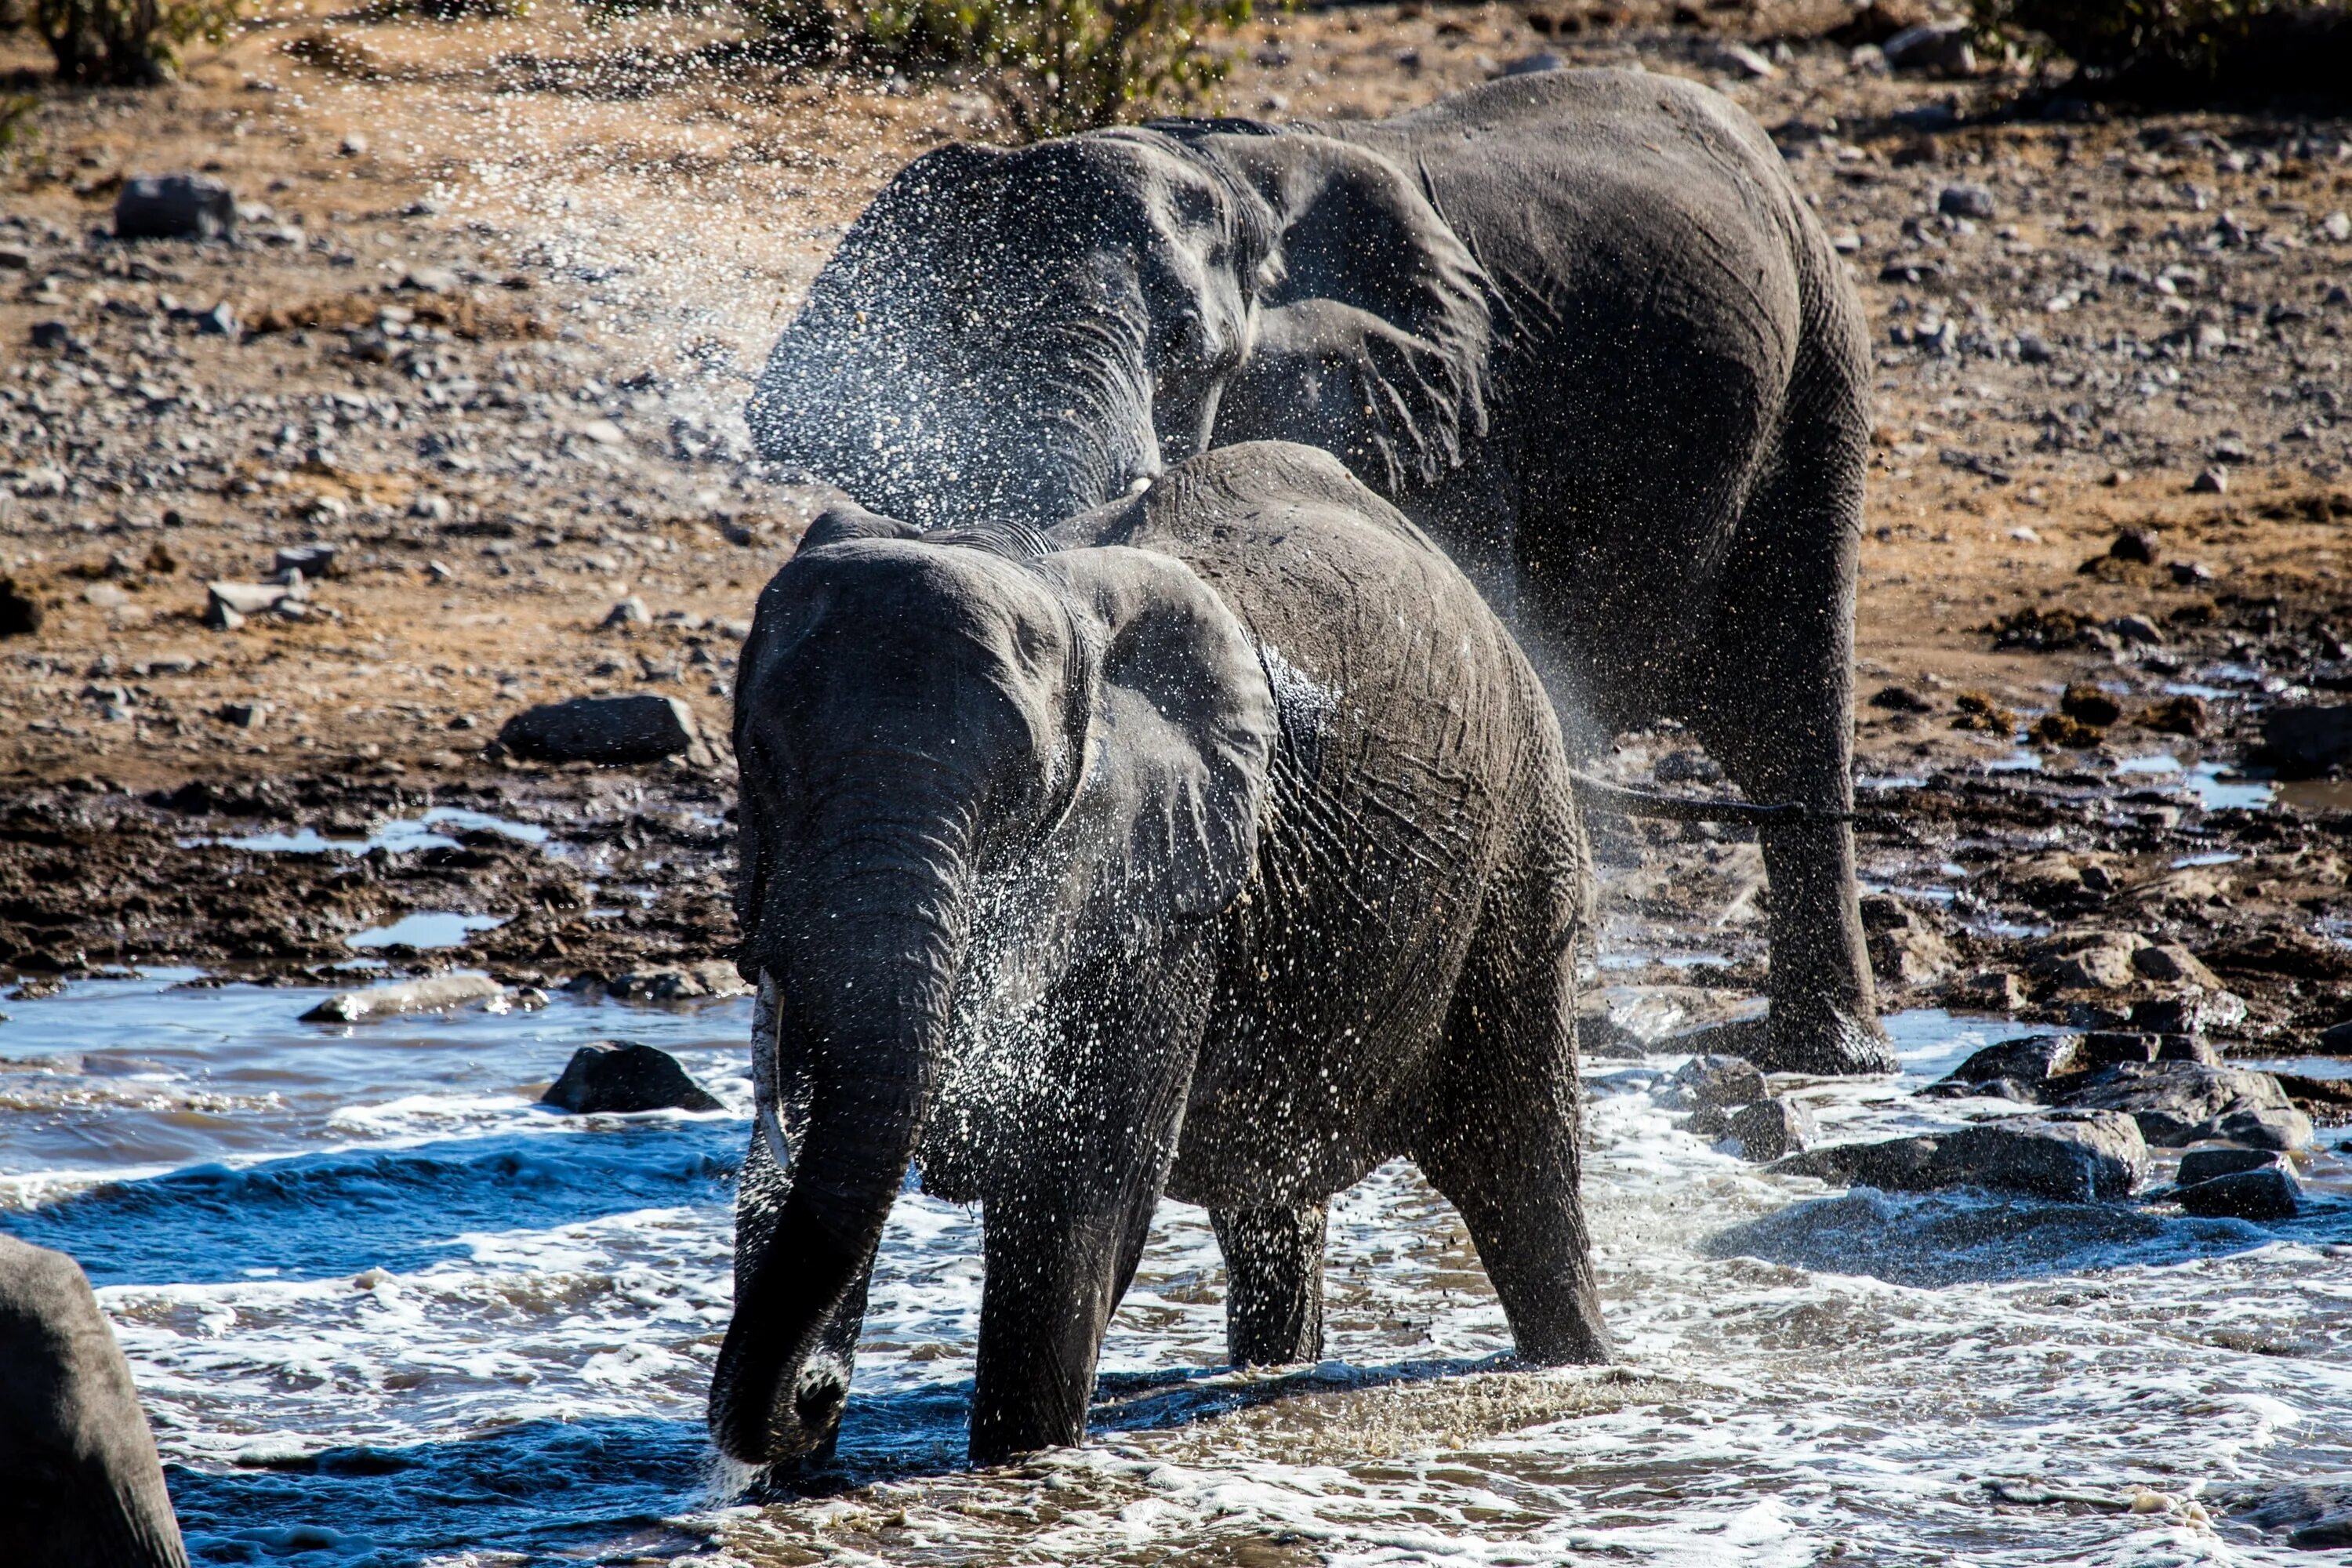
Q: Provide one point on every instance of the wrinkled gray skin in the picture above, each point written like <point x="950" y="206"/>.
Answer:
<point x="80" y="1483"/>
<point x="1577" y="324"/>
<point x="1219" y="844"/>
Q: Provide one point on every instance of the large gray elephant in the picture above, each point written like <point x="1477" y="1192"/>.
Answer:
<point x="80" y="1483"/>
<point x="1578" y="324"/>
<point x="1219" y="845"/>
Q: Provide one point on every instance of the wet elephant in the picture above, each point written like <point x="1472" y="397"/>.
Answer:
<point x="80" y="1483"/>
<point x="1218" y="844"/>
<point x="1578" y="324"/>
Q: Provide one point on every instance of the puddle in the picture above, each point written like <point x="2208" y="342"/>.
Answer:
<point x="380" y="1305"/>
<point x="2156" y="762"/>
<point x="2213" y="857"/>
<point x="399" y="837"/>
<point x="427" y="929"/>
<point x="2217" y="794"/>
<point x="2316" y="797"/>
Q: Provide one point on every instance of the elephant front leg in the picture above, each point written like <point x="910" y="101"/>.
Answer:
<point x="1056" y="1271"/>
<point x="1273" y="1283"/>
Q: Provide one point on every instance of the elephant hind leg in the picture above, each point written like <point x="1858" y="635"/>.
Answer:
<point x="1500" y="1139"/>
<point x="1273" y="1291"/>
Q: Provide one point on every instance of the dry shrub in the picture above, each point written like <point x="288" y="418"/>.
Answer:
<point x="127" y="42"/>
<point x="1052" y="66"/>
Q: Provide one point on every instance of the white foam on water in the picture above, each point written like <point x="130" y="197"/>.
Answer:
<point x="1798" y="1367"/>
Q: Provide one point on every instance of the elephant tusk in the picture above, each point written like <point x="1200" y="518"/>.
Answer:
<point x="1617" y="797"/>
<point x="763" y="1073"/>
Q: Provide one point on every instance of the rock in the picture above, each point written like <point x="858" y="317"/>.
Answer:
<point x="2104" y="1047"/>
<point x="21" y="614"/>
<point x="2087" y="704"/>
<point x="431" y="281"/>
<point x="2336" y="1039"/>
<point x="441" y="991"/>
<point x="1771" y="1129"/>
<point x="1939" y="47"/>
<point x="1900" y="700"/>
<point x="1969" y="201"/>
<point x="603" y="432"/>
<point x="2135" y="544"/>
<point x="2269" y="1193"/>
<point x="2174" y="964"/>
<point x="243" y="715"/>
<point x="1987" y="990"/>
<point x="1601" y="1038"/>
<point x="246" y="598"/>
<point x="2099" y="962"/>
<point x="2337" y="226"/>
<point x="2065" y="729"/>
<point x="51" y="335"/>
<point x="2213" y="482"/>
<point x="1905" y="949"/>
<point x="611" y="730"/>
<point x="687" y="982"/>
<point x="1980" y="712"/>
<point x="2204" y="1164"/>
<point x="2138" y="630"/>
<point x="2179" y="1103"/>
<point x="2012" y="1069"/>
<point x="615" y="1075"/>
<point x="313" y="560"/>
<point x="1529" y="65"/>
<point x="2314" y="1514"/>
<point x="628" y="612"/>
<point x="2067" y="1156"/>
<point x="2302" y="743"/>
<point x="1738" y="59"/>
<point x="173" y="206"/>
<point x="2183" y="715"/>
<point x="1717" y="1082"/>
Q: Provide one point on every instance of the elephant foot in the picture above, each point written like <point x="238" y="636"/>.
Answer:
<point x="1824" y="1042"/>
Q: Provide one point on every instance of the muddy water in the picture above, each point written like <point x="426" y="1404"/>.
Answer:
<point x="384" y="1312"/>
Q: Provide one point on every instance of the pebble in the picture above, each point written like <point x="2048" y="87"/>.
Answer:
<point x="629" y="612"/>
<point x="2212" y="481"/>
<point x="1969" y="200"/>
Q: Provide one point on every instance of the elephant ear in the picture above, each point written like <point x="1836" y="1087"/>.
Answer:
<point x="1179" y="736"/>
<point x="1373" y="333"/>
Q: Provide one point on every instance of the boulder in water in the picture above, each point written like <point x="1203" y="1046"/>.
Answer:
<point x="2267" y="1192"/>
<point x="2012" y="1069"/>
<point x="1771" y="1128"/>
<point x="427" y="996"/>
<point x="2204" y="1164"/>
<point x="617" y="1076"/>
<point x="2179" y="1102"/>
<point x="2070" y="1156"/>
<point x="1710" y="1083"/>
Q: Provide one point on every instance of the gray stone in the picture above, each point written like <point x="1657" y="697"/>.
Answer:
<point x="2265" y="1127"/>
<point x="2211" y="482"/>
<point x="1738" y="59"/>
<point x="2068" y="1156"/>
<point x="1705" y="1082"/>
<point x="1988" y="991"/>
<point x="2267" y="1193"/>
<point x="2192" y="1011"/>
<point x="611" y="730"/>
<point x="173" y="206"/>
<point x="2138" y="630"/>
<point x="2012" y="1069"/>
<point x="1940" y="46"/>
<point x="616" y="1076"/>
<point x="2178" y="1103"/>
<point x="2204" y="1164"/>
<point x="409" y="996"/>
<point x="2098" y="963"/>
<point x="1771" y="1129"/>
<point x="629" y="612"/>
<point x="313" y="560"/>
<point x="2170" y="962"/>
<point x="1530" y="65"/>
<point x="2312" y="1513"/>
<point x="686" y="982"/>
<point x="1970" y="201"/>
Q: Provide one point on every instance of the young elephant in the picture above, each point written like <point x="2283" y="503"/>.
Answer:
<point x="1219" y="844"/>
<point x="80" y="1483"/>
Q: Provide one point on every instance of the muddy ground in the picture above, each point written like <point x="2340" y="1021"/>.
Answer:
<point x="500" y="283"/>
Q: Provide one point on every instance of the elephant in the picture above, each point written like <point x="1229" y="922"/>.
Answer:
<point x="1217" y="843"/>
<point x="1577" y="324"/>
<point x="80" y="1486"/>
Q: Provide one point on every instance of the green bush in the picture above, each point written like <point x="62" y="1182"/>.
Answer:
<point x="127" y="42"/>
<point x="2174" y="41"/>
<point x="1052" y="66"/>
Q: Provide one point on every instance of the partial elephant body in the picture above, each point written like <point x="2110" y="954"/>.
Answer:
<point x="1578" y="324"/>
<point x="1229" y="849"/>
<point x="80" y="1483"/>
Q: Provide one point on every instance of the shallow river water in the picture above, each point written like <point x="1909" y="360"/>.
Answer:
<point x="384" y="1312"/>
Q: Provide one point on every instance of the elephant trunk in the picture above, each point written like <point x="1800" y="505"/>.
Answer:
<point x="944" y="425"/>
<point x="864" y="944"/>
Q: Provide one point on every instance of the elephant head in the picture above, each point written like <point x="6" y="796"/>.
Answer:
<point x="922" y="723"/>
<point x="1026" y="334"/>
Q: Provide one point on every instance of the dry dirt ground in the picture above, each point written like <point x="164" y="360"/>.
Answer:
<point x="500" y="284"/>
